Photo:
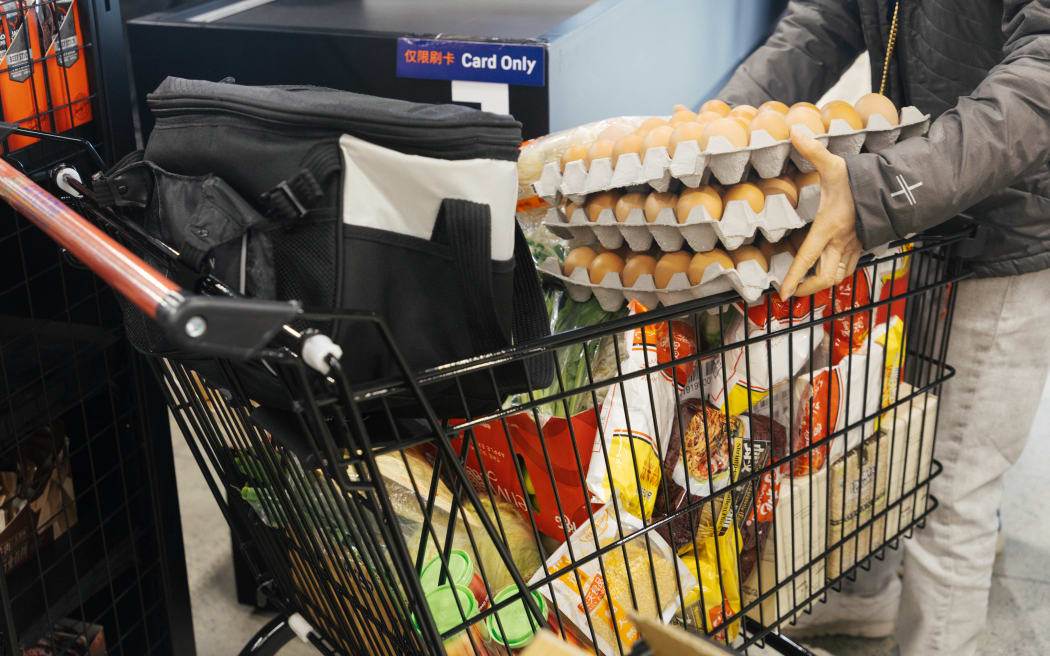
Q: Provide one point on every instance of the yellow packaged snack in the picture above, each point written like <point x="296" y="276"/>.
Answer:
<point x="637" y="415"/>
<point x="642" y="575"/>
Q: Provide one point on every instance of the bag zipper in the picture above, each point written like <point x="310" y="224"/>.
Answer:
<point x="479" y="133"/>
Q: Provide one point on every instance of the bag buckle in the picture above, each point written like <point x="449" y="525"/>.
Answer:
<point x="298" y="208"/>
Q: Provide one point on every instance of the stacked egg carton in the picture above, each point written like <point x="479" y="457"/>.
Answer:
<point x="725" y="162"/>
<point x="692" y="167"/>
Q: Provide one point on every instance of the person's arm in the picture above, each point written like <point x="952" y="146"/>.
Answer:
<point x="814" y="42"/>
<point x="989" y="139"/>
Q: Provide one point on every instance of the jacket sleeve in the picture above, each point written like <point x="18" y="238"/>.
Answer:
<point x="988" y="140"/>
<point x="813" y="43"/>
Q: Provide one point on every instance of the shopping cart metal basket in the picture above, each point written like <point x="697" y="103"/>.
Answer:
<point x="718" y="466"/>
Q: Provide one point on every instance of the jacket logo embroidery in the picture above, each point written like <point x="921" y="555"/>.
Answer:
<point x="906" y="190"/>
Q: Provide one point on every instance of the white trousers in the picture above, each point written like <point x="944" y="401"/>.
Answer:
<point x="1000" y="348"/>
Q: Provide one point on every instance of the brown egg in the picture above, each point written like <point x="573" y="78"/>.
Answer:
<point x="630" y="143"/>
<point x="782" y="185"/>
<point x="628" y="202"/>
<point x="749" y="192"/>
<point x="708" y="117"/>
<point x="772" y="122"/>
<point x="580" y="257"/>
<point x="648" y="125"/>
<point x="725" y="127"/>
<point x="769" y="249"/>
<point x="599" y="150"/>
<point x="747" y="111"/>
<point x="603" y="264"/>
<point x="699" y="263"/>
<point x="657" y="137"/>
<point x="807" y="179"/>
<point x="681" y="116"/>
<point x="603" y="200"/>
<point x="716" y="106"/>
<point x="573" y="153"/>
<point x="774" y="105"/>
<point x="875" y="103"/>
<point x="796" y="237"/>
<point x="745" y="253"/>
<point x="808" y="117"/>
<point x="705" y="196"/>
<point x="670" y="264"/>
<point x="637" y="265"/>
<point x="742" y="120"/>
<point x="657" y="201"/>
<point x="840" y="109"/>
<point x="570" y="209"/>
<point x="617" y="128"/>
<point x="690" y="131"/>
<point x="679" y="108"/>
<point x="808" y="105"/>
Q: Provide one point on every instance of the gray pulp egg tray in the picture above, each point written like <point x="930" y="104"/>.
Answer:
<point x="747" y="278"/>
<point x="725" y="162"/>
<point x="737" y="227"/>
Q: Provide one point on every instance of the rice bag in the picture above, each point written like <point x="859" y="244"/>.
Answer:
<point x="623" y="580"/>
<point x="637" y="415"/>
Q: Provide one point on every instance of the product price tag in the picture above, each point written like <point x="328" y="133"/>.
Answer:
<point x="507" y="63"/>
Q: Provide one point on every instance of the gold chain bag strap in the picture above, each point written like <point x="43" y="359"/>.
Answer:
<point x="889" y="48"/>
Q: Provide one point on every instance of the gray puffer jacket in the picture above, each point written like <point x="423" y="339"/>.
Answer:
<point x="980" y="67"/>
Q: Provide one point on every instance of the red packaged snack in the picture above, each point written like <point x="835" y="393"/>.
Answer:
<point x="880" y="282"/>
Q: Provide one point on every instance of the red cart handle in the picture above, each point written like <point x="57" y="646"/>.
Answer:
<point x="231" y="327"/>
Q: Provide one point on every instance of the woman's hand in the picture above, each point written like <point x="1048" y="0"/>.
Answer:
<point x="832" y="237"/>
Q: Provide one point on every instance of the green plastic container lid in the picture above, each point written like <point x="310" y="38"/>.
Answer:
<point x="518" y="624"/>
<point x="460" y="568"/>
<point x="442" y="603"/>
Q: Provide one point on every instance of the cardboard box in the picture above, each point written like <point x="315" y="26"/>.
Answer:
<point x="911" y="433"/>
<point x="43" y="471"/>
<point x="70" y="637"/>
<point x="795" y="549"/>
<point x="859" y="485"/>
<point x="520" y="448"/>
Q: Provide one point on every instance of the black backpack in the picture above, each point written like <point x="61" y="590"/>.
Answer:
<point x="345" y="201"/>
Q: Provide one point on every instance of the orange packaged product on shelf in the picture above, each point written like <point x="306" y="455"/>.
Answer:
<point x="67" y="76"/>
<point x="23" y="90"/>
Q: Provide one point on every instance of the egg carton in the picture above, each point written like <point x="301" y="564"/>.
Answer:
<point x="725" y="162"/>
<point x="747" y="279"/>
<point x="879" y="135"/>
<point x="737" y="227"/>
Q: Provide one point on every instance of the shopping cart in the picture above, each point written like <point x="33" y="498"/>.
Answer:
<point x="384" y="532"/>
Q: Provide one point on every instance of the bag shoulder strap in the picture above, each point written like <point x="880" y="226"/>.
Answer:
<point x="466" y="227"/>
<point x="293" y="198"/>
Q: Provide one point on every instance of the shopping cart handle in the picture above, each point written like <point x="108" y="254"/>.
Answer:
<point x="228" y="327"/>
<point x="224" y="326"/>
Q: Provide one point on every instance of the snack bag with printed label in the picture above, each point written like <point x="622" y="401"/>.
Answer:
<point x="637" y="415"/>
<point x="641" y="575"/>
<point x="752" y="372"/>
<point x="836" y="397"/>
<point x="879" y="282"/>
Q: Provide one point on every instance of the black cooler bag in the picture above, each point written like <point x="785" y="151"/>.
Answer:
<point x="347" y="201"/>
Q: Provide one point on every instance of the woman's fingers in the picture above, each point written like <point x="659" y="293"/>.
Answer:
<point x="829" y="272"/>
<point x="806" y="256"/>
